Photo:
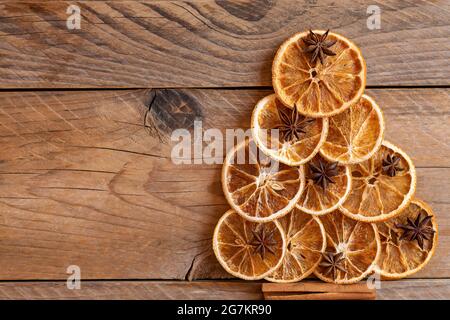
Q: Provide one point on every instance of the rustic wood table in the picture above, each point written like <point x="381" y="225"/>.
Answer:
<point x="86" y="177"/>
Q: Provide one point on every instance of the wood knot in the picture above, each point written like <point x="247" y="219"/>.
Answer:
<point x="171" y="109"/>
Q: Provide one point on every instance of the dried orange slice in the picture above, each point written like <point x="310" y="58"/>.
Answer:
<point x="284" y="134"/>
<point x="381" y="186"/>
<point x="319" y="88"/>
<point x="327" y="186"/>
<point x="408" y="241"/>
<point x="355" y="134"/>
<point x="305" y="243"/>
<point x="246" y="249"/>
<point x="353" y="249"/>
<point x="257" y="187"/>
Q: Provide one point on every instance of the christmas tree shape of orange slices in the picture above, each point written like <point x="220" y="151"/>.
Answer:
<point x="408" y="241"/>
<point x="317" y="190"/>
<point x="305" y="243"/>
<point x="321" y="73"/>
<point x="257" y="187"/>
<point x="352" y="252"/>
<point x="382" y="186"/>
<point x="355" y="134"/>
<point x="327" y="186"/>
<point x="284" y="134"/>
<point x="246" y="249"/>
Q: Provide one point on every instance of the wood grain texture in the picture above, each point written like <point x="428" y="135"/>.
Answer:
<point x="134" y="290"/>
<point x="217" y="290"/>
<point x="84" y="182"/>
<point x="141" y="44"/>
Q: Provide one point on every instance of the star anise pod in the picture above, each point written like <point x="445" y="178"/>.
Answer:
<point x="332" y="262"/>
<point x="418" y="230"/>
<point x="390" y="165"/>
<point x="318" y="46"/>
<point x="323" y="172"/>
<point x="263" y="241"/>
<point x="292" y="124"/>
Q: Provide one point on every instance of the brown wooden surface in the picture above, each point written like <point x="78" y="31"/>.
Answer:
<point x="217" y="290"/>
<point x="83" y="182"/>
<point x="86" y="176"/>
<point x="209" y="43"/>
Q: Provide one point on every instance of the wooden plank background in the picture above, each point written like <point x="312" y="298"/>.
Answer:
<point x="84" y="182"/>
<point x="140" y="44"/>
<point x="86" y="176"/>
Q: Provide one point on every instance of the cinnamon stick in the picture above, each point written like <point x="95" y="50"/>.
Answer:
<point x="317" y="291"/>
<point x="314" y="287"/>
